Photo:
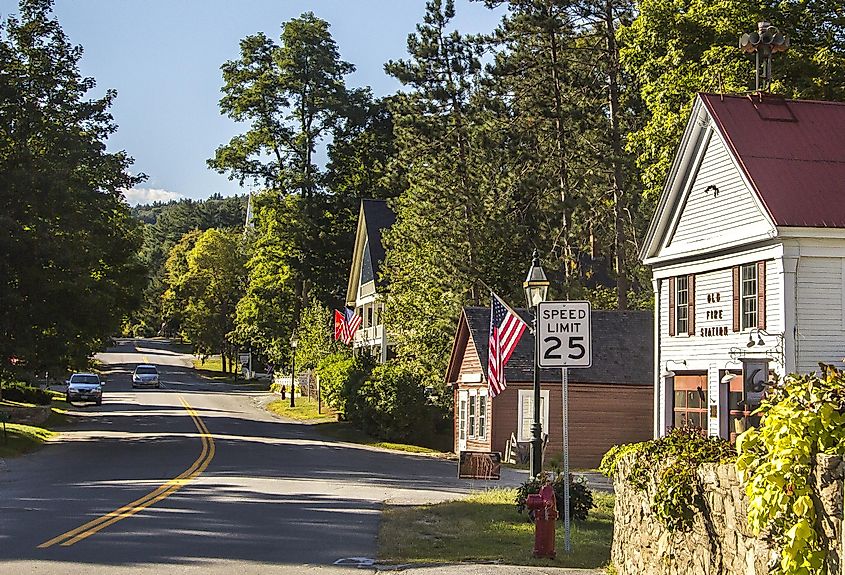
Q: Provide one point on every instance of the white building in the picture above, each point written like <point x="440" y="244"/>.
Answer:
<point x="747" y="247"/>
<point x="365" y="292"/>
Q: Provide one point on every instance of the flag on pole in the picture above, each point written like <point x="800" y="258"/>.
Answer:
<point x="506" y="328"/>
<point x="346" y="324"/>
<point x="353" y="322"/>
<point x="339" y="325"/>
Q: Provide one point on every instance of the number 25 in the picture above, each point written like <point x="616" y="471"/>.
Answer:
<point x="573" y="345"/>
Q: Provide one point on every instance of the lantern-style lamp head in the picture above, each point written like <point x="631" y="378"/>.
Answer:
<point x="294" y="340"/>
<point x="536" y="285"/>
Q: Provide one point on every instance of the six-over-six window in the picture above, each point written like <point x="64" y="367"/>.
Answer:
<point x="749" y="301"/>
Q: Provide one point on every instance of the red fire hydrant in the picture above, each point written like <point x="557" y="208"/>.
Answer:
<point x="544" y="506"/>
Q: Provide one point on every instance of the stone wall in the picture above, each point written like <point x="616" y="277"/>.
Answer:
<point x="27" y="415"/>
<point x="719" y="541"/>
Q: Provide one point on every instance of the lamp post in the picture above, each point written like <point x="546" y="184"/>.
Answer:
<point x="293" y="341"/>
<point x="536" y="287"/>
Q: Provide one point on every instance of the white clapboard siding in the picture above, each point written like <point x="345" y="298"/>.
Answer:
<point x="698" y="350"/>
<point x="820" y="333"/>
<point x="710" y="219"/>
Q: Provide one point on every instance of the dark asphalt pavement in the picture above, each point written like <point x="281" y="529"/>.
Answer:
<point x="274" y="498"/>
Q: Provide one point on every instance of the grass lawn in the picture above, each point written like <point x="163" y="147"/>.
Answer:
<point x="213" y="369"/>
<point x="22" y="439"/>
<point x="304" y="411"/>
<point x="486" y="527"/>
<point x="344" y="431"/>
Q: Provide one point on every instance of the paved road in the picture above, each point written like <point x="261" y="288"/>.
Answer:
<point x="197" y="478"/>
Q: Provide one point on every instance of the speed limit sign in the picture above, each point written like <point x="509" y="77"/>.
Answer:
<point x="565" y="338"/>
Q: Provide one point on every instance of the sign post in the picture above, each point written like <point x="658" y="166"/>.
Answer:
<point x="564" y="338"/>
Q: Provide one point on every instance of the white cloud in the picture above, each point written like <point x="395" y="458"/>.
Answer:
<point x="137" y="196"/>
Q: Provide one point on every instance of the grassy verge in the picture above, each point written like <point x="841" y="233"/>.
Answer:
<point x="22" y="439"/>
<point x="344" y="431"/>
<point x="213" y="369"/>
<point x="304" y="411"/>
<point x="486" y="527"/>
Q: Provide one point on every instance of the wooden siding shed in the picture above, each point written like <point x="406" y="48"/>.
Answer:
<point x="610" y="402"/>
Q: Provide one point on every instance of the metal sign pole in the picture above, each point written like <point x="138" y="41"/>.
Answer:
<point x="567" y="546"/>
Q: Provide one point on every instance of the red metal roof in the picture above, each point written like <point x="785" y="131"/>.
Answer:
<point x="792" y="151"/>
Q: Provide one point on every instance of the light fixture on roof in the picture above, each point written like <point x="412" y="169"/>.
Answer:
<point x="766" y="41"/>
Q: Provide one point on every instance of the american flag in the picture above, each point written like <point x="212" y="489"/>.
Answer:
<point x="346" y="324"/>
<point x="353" y="322"/>
<point x="505" y="330"/>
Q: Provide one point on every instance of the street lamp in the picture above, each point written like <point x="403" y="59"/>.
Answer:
<point x="536" y="287"/>
<point x="293" y="341"/>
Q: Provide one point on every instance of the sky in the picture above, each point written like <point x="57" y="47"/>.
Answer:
<point x="163" y="57"/>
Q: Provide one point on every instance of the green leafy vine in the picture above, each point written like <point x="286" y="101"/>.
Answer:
<point x="673" y="460"/>
<point x="800" y="418"/>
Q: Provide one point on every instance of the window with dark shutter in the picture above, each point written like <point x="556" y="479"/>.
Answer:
<point x="736" y="309"/>
<point x="761" y="295"/>
<point x="671" y="306"/>
<point x="691" y="304"/>
<point x="749" y="296"/>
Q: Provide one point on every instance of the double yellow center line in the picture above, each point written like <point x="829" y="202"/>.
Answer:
<point x="164" y="490"/>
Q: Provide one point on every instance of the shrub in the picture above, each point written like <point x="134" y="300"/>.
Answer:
<point x="341" y="375"/>
<point x="25" y="394"/>
<point x="394" y="406"/>
<point x="580" y="496"/>
<point x="801" y="417"/>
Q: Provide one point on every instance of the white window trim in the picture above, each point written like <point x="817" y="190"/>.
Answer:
<point x="472" y="414"/>
<point x="472" y="399"/>
<point x="742" y="297"/>
<point x="462" y="416"/>
<point x="682" y="306"/>
<point x="544" y="413"/>
<point x="482" y="414"/>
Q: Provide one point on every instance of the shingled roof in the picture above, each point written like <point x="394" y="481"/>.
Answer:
<point x="374" y="217"/>
<point x="623" y="348"/>
<point x="378" y="217"/>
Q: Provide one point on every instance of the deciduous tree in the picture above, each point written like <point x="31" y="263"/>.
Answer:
<point x="68" y="265"/>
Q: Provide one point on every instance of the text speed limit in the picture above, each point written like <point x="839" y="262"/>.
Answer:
<point x="564" y="332"/>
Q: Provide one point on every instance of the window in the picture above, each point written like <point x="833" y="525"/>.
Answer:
<point x="482" y="415"/>
<point x="748" y="299"/>
<point x="471" y="426"/>
<point x="526" y="413"/>
<point x="749" y="296"/>
<point x="370" y="316"/>
<point x="681" y="304"/>
<point x="462" y="419"/>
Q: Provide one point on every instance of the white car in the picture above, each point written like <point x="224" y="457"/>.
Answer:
<point x="145" y="376"/>
<point x="85" y="387"/>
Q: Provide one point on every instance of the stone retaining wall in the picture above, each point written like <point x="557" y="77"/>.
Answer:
<point x="27" y="415"/>
<point x="719" y="542"/>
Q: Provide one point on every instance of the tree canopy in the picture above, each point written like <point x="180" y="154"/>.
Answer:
<point x="68" y="246"/>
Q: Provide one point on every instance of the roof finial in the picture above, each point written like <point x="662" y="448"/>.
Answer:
<point x="766" y="41"/>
